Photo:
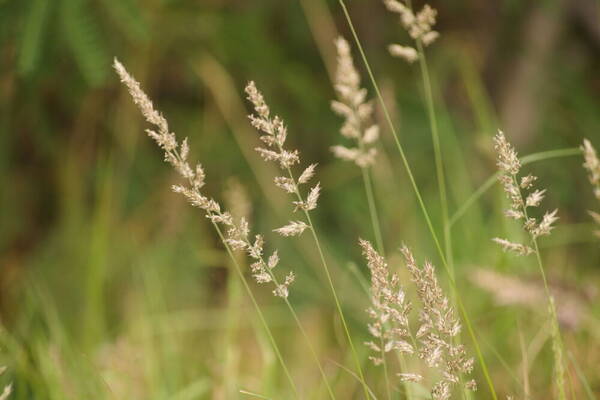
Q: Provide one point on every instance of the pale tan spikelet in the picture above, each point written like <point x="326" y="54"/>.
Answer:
<point x="357" y="112"/>
<point x="508" y="160"/>
<point x="293" y="228"/>
<point x="419" y="26"/>
<point x="307" y="174"/>
<point x="407" y="53"/>
<point x="517" y="248"/>
<point x="406" y="377"/>
<point x="141" y="99"/>
<point x="430" y="37"/>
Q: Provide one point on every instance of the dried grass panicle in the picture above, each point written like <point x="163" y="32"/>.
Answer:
<point x="419" y="26"/>
<point x="273" y="134"/>
<point x="522" y="195"/>
<point x="389" y="310"/>
<point x="592" y="165"/>
<point x="7" y="389"/>
<point x="176" y="154"/>
<point x="438" y="330"/>
<point x="356" y="110"/>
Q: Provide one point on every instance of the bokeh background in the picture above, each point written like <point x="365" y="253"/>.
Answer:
<point x="112" y="287"/>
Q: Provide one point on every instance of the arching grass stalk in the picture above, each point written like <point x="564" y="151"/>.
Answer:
<point x="331" y="286"/>
<point x="419" y="199"/>
<point x="298" y="323"/>
<point x="437" y="154"/>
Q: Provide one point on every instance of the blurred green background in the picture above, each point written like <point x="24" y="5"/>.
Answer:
<point x="112" y="287"/>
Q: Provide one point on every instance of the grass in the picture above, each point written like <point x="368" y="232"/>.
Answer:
<point x="112" y="287"/>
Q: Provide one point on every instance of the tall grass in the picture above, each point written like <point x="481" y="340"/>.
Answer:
<point x="265" y="327"/>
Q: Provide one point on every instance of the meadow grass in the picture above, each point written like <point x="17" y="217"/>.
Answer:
<point x="287" y="319"/>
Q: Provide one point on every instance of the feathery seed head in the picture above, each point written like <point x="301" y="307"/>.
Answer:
<point x="405" y="377"/>
<point x="508" y="161"/>
<point x="510" y="166"/>
<point x="419" y="26"/>
<point x="517" y="248"/>
<point x="592" y="165"/>
<point x="273" y="134"/>
<point x="407" y="53"/>
<point x="293" y="228"/>
<point x="439" y="327"/>
<point x="389" y="310"/>
<point x="357" y="112"/>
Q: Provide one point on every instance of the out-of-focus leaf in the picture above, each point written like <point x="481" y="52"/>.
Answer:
<point x="85" y="40"/>
<point x="126" y="13"/>
<point x="33" y="32"/>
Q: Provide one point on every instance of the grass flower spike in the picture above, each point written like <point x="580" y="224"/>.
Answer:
<point x="592" y="165"/>
<point x="357" y="112"/>
<point x="273" y="135"/>
<point x="389" y="309"/>
<point x="515" y="189"/>
<point x="419" y="26"/>
<point x="438" y="330"/>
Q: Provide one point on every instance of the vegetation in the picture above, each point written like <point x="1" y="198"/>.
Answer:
<point x="411" y="257"/>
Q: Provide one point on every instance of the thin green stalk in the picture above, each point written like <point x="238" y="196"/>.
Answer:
<point x="419" y="198"/>
<point x="437" y="152"/>
<point x="331" y="286"/>
<point x="337" y="303"/>
<point x="385" y="368"/>
<point x="556" y="332"/>
<point x="312" y="349"/>
<point x="263" y="321"/>
<point x="230" y="372"/>
<point x="368" y="183"/>
<point x="300" y="327"/>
